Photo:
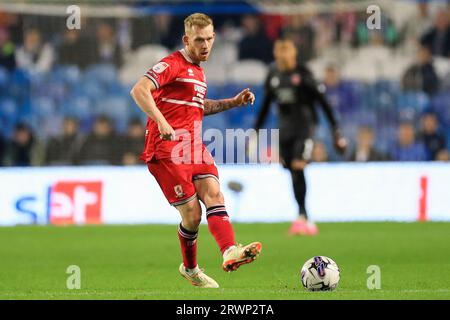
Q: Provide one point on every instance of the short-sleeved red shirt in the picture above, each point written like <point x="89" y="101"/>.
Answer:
<point x="180" y="95"/>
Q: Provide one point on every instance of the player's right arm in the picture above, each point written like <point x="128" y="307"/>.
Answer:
<point x="142" y="95"/>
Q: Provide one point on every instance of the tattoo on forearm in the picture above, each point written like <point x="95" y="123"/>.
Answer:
<point x="216" y="106"/>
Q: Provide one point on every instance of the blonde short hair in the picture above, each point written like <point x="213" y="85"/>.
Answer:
<point x="197" y="19"/>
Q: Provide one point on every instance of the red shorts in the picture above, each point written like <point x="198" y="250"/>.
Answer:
<point x="177" y="180"/>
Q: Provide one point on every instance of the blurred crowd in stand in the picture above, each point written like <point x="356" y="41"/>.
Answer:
<point x="46" y="118"/>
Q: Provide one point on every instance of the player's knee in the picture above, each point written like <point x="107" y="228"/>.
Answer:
<point x="192" y="222"/>
<point x="214" y="197"/>
<point x="192" y="216"/>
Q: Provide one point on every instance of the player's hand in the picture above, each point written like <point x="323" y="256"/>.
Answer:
<point x="244" y="97"/>
<point x="166" y="132"/>
<point x="340" y="143"/>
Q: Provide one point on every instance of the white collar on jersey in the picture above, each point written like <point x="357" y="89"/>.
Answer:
<point x="186" y="56"/>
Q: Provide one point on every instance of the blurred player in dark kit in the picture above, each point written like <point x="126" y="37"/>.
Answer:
<point x="294" y="89"/>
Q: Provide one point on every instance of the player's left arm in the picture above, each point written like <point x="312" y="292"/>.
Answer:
<point x="340" y="143"/>
<point x="215" y="106"/>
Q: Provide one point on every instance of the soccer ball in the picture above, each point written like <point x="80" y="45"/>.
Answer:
<point x="320" y="273"/>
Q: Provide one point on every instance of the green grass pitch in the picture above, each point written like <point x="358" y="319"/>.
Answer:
<point x="141" y="262"/>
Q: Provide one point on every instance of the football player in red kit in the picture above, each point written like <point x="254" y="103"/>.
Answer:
<point x="173" y="95"/>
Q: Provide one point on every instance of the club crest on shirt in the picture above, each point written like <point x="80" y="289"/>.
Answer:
<point x="296" y="79"/>
<point x="160" y="67"/>
<point x="178" y="191"/>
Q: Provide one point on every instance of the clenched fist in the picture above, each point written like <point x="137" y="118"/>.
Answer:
<point x="244" y="97"/>
<point x="166" y="132"/>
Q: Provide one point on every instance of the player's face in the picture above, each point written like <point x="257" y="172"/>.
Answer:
<point x="199" y="42"/>
<point x="285" y="54"/>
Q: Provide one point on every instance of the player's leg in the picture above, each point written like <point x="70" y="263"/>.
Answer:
<point x="302" y="150"/>
<point x="297" y="171"/>
<point x="300" y="225"/>
<point x="175" y="182"/>
<point x="191" y="214"/>
<point x="208" y="190"/>
<point x="288" y="149"/>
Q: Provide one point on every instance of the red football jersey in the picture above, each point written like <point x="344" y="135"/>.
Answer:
<point x="180" y="95"/>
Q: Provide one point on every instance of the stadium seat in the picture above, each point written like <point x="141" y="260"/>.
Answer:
<point x="386" y="136"/>
<point x="20" y="84"/>
<point x="55" y="89"/>
<point x="48" y="126"/>
<point x="382" y="95"/>
<point x="139" y="61"/>
<point x="396" y="65"/>
<point x="411" y="104"/>
<point x="358" y="70"/>
<point x="216" y="74"/>
<point x="43" y="107"/>
<point x="104" y="74"/>
<point x="251" y="72"/>
<point x="68" y="74"/>
<point x="8" y="115"/>
<point x="78" y="106"/>
<point x="90" y="88"/>
<point x="388" y="116"/>
<point x="117" y="108"/>
<point x="8" y="107"/>
<point x="151" y="54"/>
<point x="357" y="92"/>
<point x="25" y="107"/>
<point x="225" y="53"/>
<point x="128" y="75"/>
<point x="221" y="61"/>
<point x="116" y="88"/>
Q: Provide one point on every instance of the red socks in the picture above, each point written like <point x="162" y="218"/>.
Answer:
<point x="188" y="242"/>
<point x="220" y="227"/>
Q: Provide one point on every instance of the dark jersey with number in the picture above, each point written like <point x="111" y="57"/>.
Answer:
<point x="296" y="93"/>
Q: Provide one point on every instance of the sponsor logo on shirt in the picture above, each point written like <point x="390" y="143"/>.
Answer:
<point x="160" y="67"/>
